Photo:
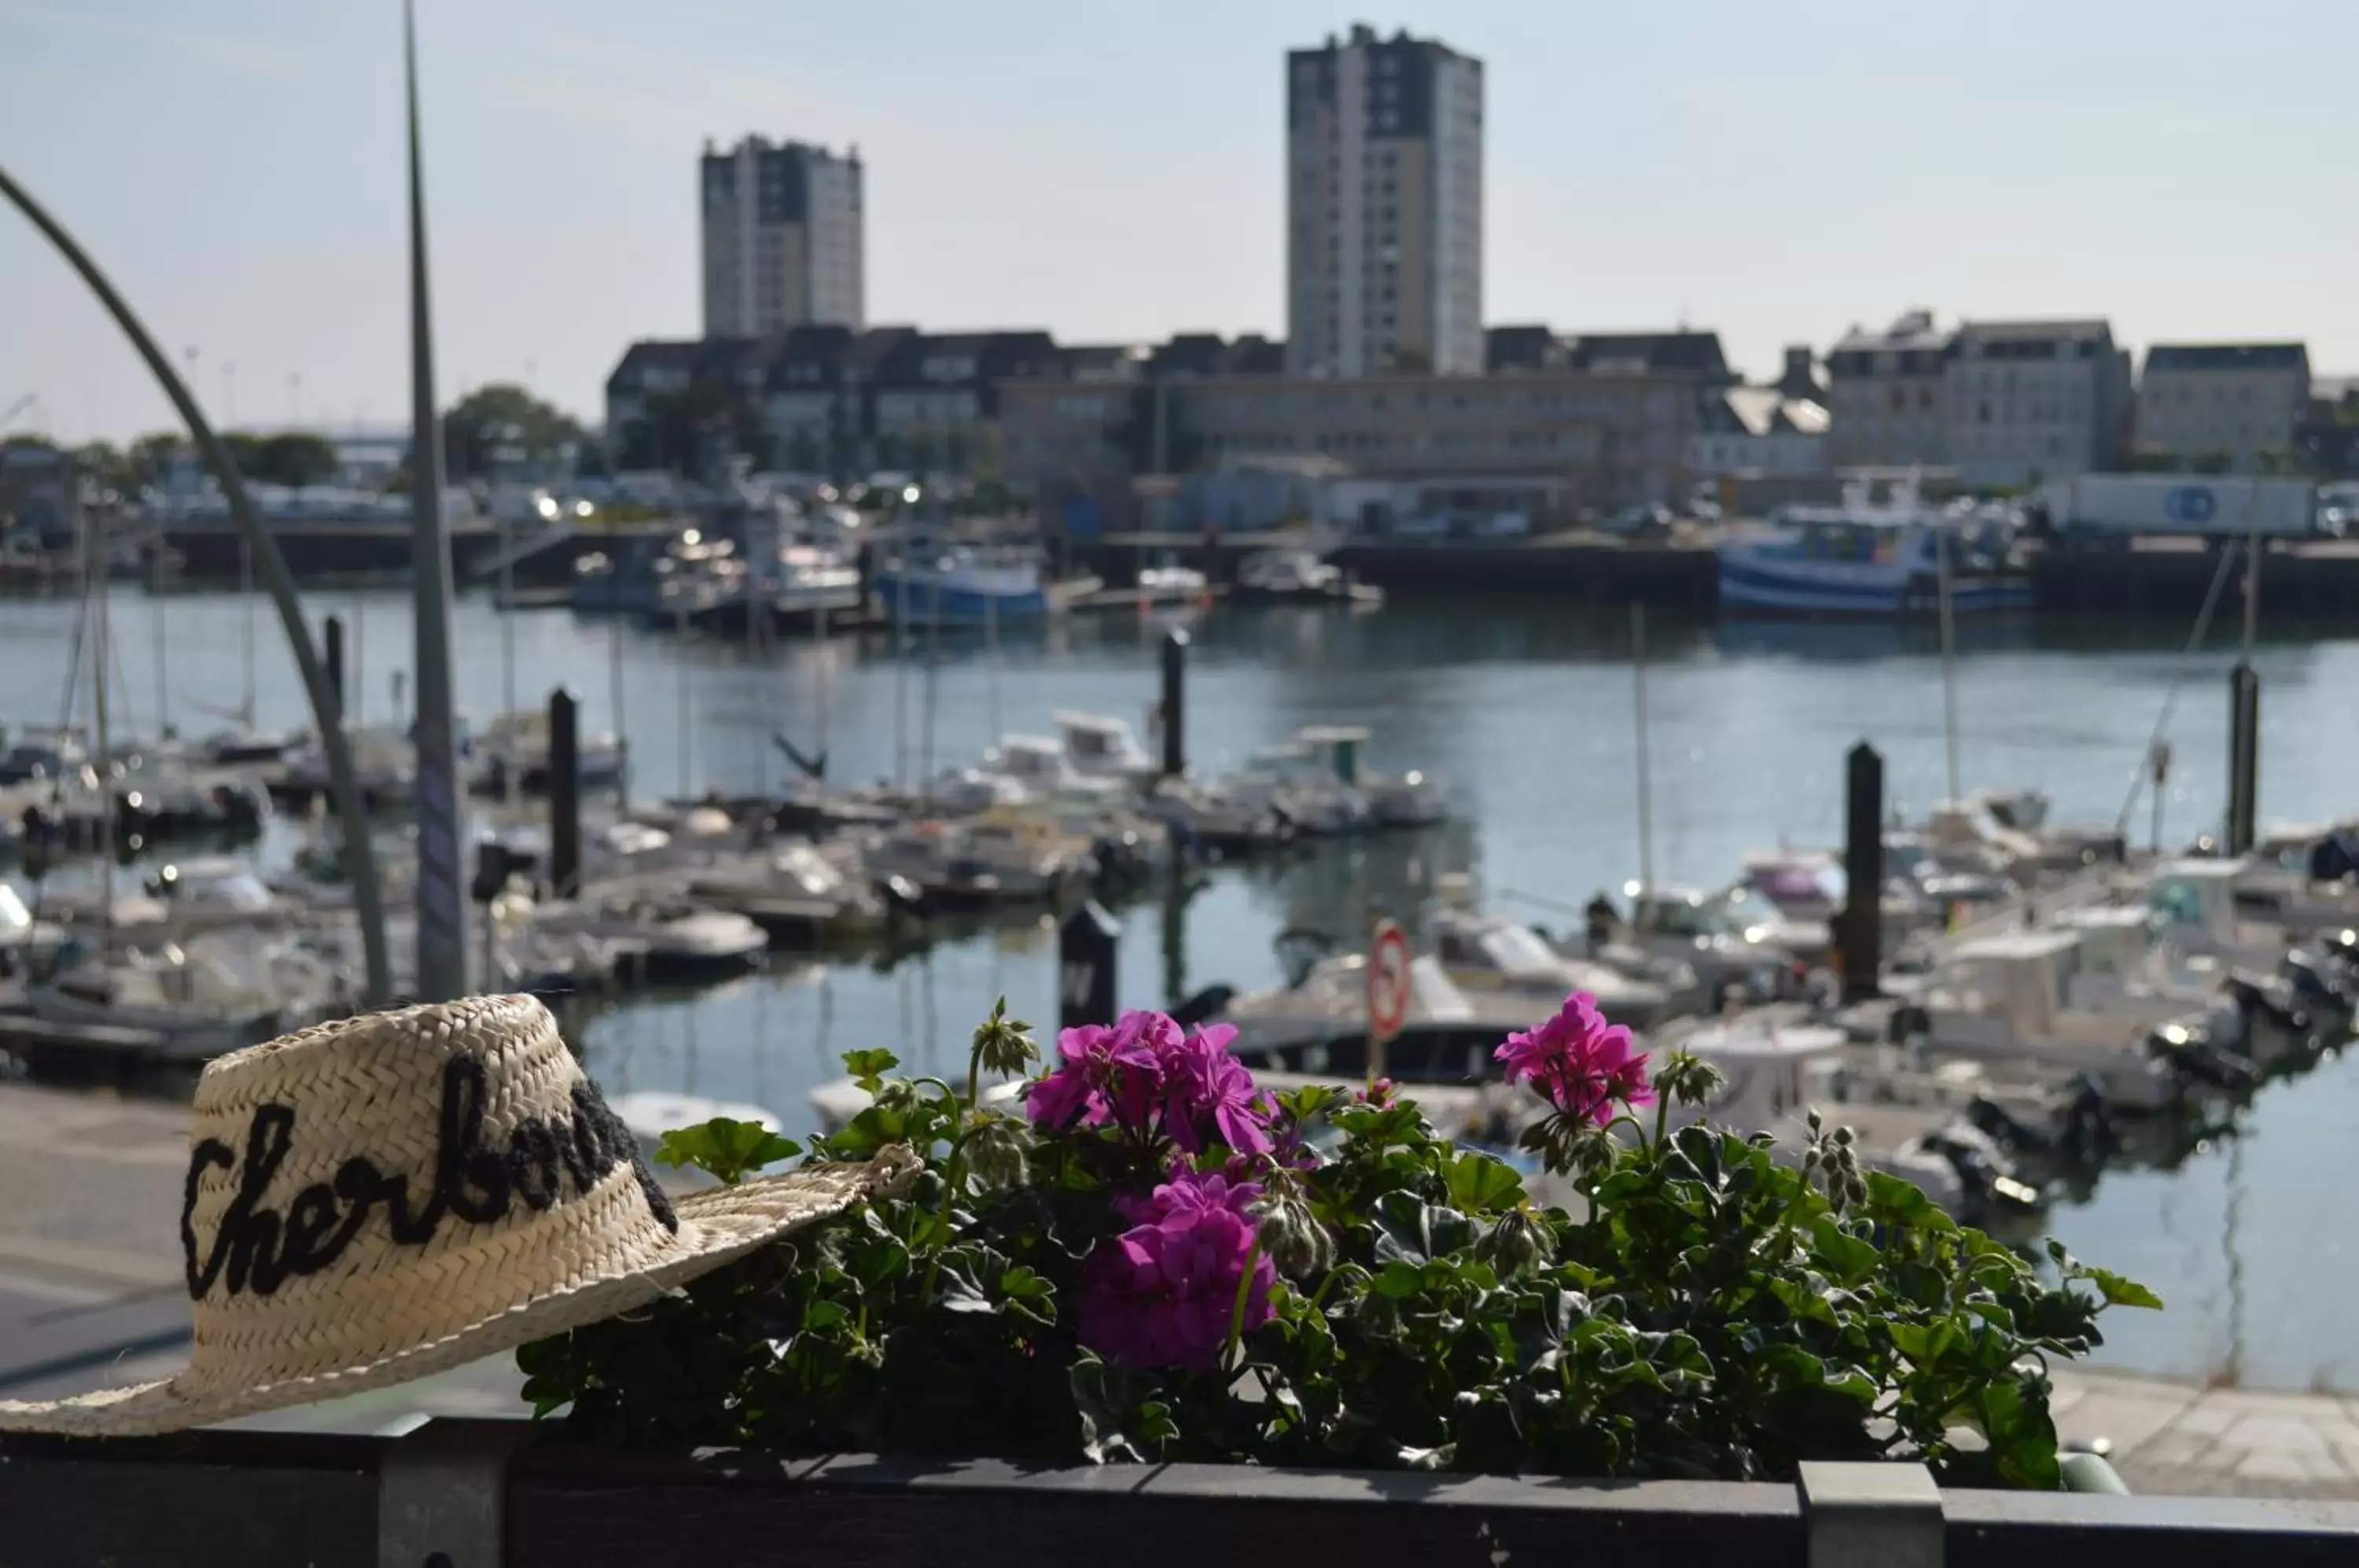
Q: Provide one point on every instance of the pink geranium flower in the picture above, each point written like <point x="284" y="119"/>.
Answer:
<point x="1164" y="1292"/>
<point x="1580" y="1062"/>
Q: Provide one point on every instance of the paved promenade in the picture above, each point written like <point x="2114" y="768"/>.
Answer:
<point x="90" y="1294"/>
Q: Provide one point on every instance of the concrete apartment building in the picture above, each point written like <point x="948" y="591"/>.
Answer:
<point x="1550" y="440"/>
<point x="1383" y="198"/>
<point x="783" y="240"/>
<point x="1887" y="396"/>
<point x="1997" y="402"/>
<point x="2036" y="400"/>
<point x="2232" y="401"/>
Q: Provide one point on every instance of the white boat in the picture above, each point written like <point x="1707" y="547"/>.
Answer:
<point x="1098" y="746"/>
<point x="515" y="746"/>
<point x="201" y="1000"/>
<point x="1171" y="581"/>
<point x="1862" y="560"/>
<point x="813" y="580"/>
<point x="1489" y="954"/>
<point x="1042" y="766"/>
<point x="2021" y="997"/>
<point x="1288" y="574"/>
<point x="1774" y="1077"/>
<point x="1412" y="800"/>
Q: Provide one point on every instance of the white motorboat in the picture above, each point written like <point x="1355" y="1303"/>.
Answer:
<point x="513" y="748"/>
<point x="2014" y="997"/>
<point x="1486" y="952"/>
<point x="1097" y="746"/>
<point x="1412" y="799"/>
<point x="198" y="1000"/>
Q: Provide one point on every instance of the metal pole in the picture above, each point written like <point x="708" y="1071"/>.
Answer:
<point x="1638" y="717"/>
<point x="926" y="726"/>
<point x="1949" y="665"/>
<point x="163" y="677"/>
<point x="614" y="701"/>
<point x="901" y="673"/>
<point x="368" y="903"/>
<point x="441" y="897"/>
<point x="507" y="618"/>
<point x="245" y="631"/>
<point x="687" y="730"/>
<point x="94" y="543"/>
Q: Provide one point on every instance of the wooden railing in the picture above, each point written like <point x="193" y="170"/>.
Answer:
<point x="487" y="1494"/>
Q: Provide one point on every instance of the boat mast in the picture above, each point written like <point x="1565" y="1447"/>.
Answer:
<point x="614" y="701"/>
<point x="680" y="634"/>
<point x="1638" y="718"/>
<point x="94" y="585"/>
<point x="901" y="665"/>
<point x="245" y="630"/>
<point x="1948" y="654"/>
<point x="926" y="723"/>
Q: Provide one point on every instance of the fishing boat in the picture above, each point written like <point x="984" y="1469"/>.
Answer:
<point x="1862" y="560"/>
<point x="959" y="587"/>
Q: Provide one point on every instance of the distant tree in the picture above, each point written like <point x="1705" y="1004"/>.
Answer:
<point x="500" y="424"/>
<point x="152" y="455"/>
<point x="293" y="458"/>
<point x="101" y="460"/>
<point x="2212" y="461"/>
<point x="2150" y="460"/>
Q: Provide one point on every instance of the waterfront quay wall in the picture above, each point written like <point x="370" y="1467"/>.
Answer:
<point x="2311" y="581"/>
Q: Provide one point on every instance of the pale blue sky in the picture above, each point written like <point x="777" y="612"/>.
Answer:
<point x="1111" y="169"/>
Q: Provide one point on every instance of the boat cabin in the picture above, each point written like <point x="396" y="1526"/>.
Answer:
<point x="2021" y="980"/>
<point x="1766" y="1071"/>
<point x="2196" y="899"/>
<point x="1101" y="745"/>
<point x="1341" y="745"/>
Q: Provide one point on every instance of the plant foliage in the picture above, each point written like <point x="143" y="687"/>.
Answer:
<point x="1392" y="1301"/>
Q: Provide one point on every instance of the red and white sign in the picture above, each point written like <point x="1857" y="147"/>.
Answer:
<point x="1388" y="982"/>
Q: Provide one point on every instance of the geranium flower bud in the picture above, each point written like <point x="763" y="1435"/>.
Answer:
<point x="1004" y="1045"/>
<point x="1293" y="1240"/>
<point x="998" y="1153"/>
<point x="1513" y="1245"/>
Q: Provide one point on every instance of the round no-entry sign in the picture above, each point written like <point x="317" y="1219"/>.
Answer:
<point x="1388" y="981"/>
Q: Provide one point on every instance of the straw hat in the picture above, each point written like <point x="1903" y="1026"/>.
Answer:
<point x="385" y="1197"/>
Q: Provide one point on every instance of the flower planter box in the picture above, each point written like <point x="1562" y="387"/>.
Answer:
<point x="481" y="1495"/>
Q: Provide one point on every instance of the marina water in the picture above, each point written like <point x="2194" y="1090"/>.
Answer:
<point x="1527" y="710"/>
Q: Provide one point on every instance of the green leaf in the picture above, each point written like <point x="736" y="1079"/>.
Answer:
<point x="1481" y="1184"/>
<point x="2119" y="1291"/>
<point x="868" y="1067"/>
<point x="726" y="1150"/>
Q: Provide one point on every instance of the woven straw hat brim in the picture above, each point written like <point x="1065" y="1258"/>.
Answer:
<point x="716" y="1226"/>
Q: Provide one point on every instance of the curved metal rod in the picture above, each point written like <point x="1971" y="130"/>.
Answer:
<point x="368" y="902"/>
